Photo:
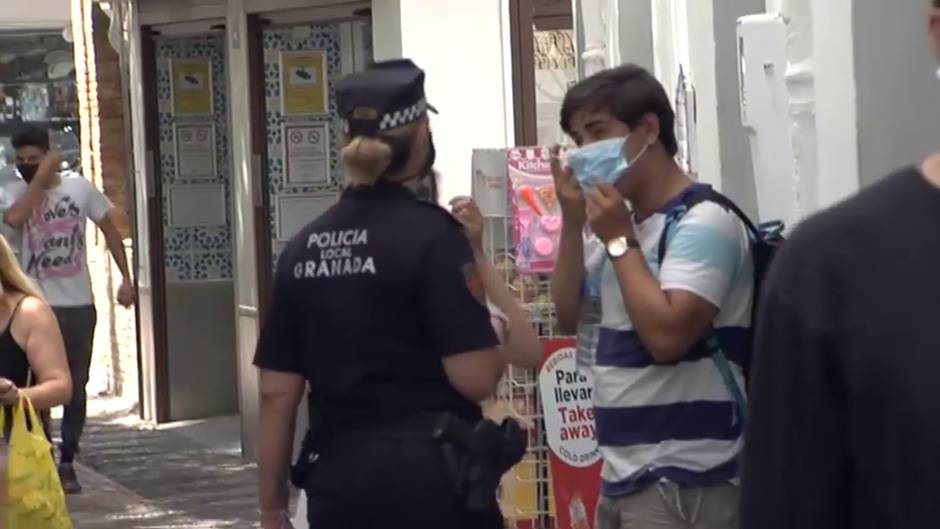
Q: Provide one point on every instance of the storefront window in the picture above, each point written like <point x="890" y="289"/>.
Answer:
<point x="555" y="71"/>
<point x="37" y="86"/>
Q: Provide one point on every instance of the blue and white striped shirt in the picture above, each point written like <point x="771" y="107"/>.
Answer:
<point x="675" y="422"/>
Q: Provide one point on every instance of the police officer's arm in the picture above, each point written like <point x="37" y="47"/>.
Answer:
<point x="520" y="343"/>
<point x="454" y="308"/>
<point x="282" y="387"/>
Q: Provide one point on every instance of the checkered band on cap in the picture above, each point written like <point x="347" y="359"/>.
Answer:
<point x="400" y="118"/>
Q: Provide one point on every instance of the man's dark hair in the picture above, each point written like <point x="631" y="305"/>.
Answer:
<point x="31" y="136"/>
<point x="628" y="92"/>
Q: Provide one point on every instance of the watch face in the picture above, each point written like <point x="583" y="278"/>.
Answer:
<point x="617" y="247"/>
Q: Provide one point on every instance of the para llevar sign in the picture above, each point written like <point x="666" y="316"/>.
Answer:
<point x="568" y="408"/>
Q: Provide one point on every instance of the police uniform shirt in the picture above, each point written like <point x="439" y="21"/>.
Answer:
<point x="368" y="299"/>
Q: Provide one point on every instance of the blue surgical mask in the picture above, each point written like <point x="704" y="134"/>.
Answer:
<point x="605" y="161"/>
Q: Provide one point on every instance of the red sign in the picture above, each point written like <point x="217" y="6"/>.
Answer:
<point x="568" y="407"/>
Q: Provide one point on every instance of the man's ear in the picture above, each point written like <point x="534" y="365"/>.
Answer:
<point x="652" y="126"/>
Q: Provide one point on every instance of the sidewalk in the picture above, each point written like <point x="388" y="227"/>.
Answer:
<point x="138" y="477"/>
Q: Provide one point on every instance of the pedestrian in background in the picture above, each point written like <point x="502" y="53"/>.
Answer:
<point x="845" y="392"/>
<point x="50" y="210"/>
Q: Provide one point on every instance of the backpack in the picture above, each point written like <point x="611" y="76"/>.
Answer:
<point x="766" y="239"/>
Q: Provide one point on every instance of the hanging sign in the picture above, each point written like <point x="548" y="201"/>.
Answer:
<point x="192" y="87"/>
<point x="574" y="456"/>
<point x="304" y="82"/>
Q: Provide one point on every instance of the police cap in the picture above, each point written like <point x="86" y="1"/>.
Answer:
<point x="384" y="97"/>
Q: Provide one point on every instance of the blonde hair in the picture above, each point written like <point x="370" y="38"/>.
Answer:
<point x="12" y="276"/>
<point x="367" y="158"/>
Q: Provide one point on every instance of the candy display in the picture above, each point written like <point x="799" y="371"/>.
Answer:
<point x="536" y="212"/>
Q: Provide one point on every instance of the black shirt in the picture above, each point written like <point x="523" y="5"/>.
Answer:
<point x="844" y="428"/>
<point x="368" y="299"/>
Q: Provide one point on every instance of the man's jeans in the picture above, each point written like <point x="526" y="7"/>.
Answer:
<point x="78" y="332"/>
<point x="666" y="505"/>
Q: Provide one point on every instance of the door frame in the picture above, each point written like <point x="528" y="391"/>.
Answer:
<point x="155" y="224"/>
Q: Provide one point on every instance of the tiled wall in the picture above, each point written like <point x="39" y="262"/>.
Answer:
<point x="327" y="37"/>
<point x="195" y="253"/>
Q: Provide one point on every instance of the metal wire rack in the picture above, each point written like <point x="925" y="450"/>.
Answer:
<point x="525" y="492"/>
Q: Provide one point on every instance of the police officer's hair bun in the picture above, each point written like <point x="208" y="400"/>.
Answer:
<point x="366" y="160"/>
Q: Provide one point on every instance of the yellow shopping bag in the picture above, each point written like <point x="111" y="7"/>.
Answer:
<point x="31" y="495"/>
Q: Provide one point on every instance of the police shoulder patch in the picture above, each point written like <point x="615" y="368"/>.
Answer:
<point x="471" y="275"/>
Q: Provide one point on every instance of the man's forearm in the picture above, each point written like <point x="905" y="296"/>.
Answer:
<point x="17" y="215"/>
<point x="274" y="453"/>
<point x="521" y="347"/>
<point x="568" y="277"/>
<point x="647" y="304"/>
<point x="116" y="247"/>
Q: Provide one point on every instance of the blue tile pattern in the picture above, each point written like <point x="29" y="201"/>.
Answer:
<point x="195" y="253"/>
<point x="313" y="37"/>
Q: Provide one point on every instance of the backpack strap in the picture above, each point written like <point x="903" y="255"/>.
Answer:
<point x="690" y="199"/>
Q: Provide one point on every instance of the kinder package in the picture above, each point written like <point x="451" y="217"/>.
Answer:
<point x="536" y="212"/>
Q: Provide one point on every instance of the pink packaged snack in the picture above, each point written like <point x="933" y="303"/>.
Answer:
<point x="536" y="213"/>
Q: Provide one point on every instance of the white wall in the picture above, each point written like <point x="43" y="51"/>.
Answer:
<point x="636" y="33"/>
<point x="15" y="14"/>
<point x="898" y="94"/>
<point x="460" y="46"/>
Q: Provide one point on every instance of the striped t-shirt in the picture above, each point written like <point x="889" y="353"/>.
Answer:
<point x="675" y="422"/>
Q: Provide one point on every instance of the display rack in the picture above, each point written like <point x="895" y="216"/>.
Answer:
<point x="525" y="493"/>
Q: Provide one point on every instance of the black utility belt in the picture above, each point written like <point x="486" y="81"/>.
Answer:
<point x="477" y="455"/>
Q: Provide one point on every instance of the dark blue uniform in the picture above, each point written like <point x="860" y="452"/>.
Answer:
<point x="368" y="300"/>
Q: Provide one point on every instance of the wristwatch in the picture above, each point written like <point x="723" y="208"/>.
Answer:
<point x="617" y="248"/>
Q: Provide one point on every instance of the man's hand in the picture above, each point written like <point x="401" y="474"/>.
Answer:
<point x="468" y="213"/>
<point x="608" y="214"/>
<point x="278" y="520"/>
<point x="48" y="169"/>
<point x="9" y="393"/>
<point x="570" y="196"/>
<point x="127" y="294"/>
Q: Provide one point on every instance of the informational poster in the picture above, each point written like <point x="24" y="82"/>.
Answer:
<point x="192" y="87"/>
<point x="197" y="205"/>
<point x="195" y="151"/>
<point x="308" y="154"/>
<point x="574" y="456"/>
<point x="304" y="82"/>
<point x="296" y="211"/>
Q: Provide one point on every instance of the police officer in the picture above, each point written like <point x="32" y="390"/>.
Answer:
<point x="378" y="305"/>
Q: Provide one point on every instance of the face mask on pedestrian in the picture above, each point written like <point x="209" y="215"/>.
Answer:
<point x="27" y="171"/>
<point x="602" y="162"/>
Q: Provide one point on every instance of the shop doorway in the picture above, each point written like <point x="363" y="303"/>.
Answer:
<point x="190" y="222"/>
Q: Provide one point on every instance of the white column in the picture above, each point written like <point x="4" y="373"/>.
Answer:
<point x="144" y="194"/>
<point x="244" y="175"/>
<point x="461" y="47"/>
<point x="386" y="29"/>
<point x="836" y="110"/>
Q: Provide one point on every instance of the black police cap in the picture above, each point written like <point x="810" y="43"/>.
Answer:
<point x="384" y="97"/>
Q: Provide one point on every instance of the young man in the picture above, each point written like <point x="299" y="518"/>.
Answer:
<point x="51" y="209"/>
<point x="667" y="424"/>
<point x="845" y="428"/>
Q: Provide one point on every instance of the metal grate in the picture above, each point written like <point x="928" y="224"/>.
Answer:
<point x="525" y="493"/>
